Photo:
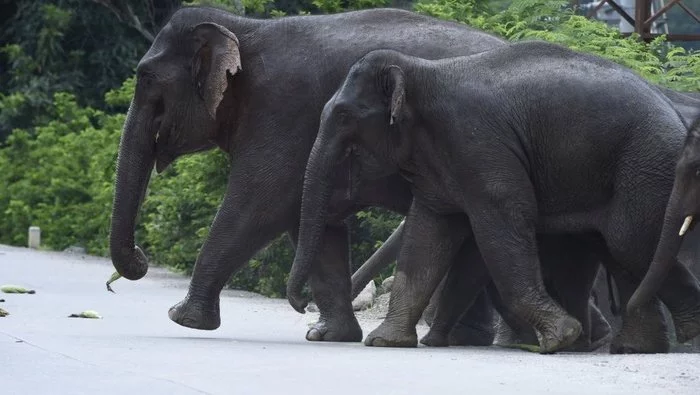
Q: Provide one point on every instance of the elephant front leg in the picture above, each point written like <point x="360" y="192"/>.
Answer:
<point x="248" y="219"/>
<point x="331" y="288"/>
<point x="428" y="247"/>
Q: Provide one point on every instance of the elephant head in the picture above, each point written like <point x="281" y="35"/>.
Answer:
<point x="681" y="210"/>
<point x="180" y="83"/>
<point x="360" y="122"/>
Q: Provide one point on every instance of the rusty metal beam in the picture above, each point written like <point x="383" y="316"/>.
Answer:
<point x="622" y="12"/>
<point x="660" y="11"/>
<point x="669" y="37"/>
<point x="643" y="14"/>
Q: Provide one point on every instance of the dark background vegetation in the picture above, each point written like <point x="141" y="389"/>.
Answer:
<point x="66" y="81"/>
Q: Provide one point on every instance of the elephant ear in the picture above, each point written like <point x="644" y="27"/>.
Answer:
<point x="397" y="90"/>
<point x="216" y="55"/>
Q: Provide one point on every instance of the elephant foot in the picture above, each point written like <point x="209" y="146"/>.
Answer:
<point x="629" y="344"/>
<point x="686" y="328"/>
<point x="466" y="335"/>
<point x="435" y="339"/>
<point x="619" y="346"/>
<point x="506" y="335"/>
<point x="601" y="334"/>
<point x="583" y="344"/>
<point x="388" y="335"/>
<point x="196" y="315"/>
<point x="565" y="332"/>
<point x="335" y="330"/>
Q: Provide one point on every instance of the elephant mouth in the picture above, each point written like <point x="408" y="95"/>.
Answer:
<point x="163" y="161"/>
<point x="163" y="157"/>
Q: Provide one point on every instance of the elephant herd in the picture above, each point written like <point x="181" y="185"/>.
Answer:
<point x="522" y="170"/>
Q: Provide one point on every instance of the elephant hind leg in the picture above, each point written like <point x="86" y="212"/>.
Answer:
<point x="476" y="327"/>
<point x="507" y="241"/>
<point x="570" y="268"/>
<point x="463" y="315"/>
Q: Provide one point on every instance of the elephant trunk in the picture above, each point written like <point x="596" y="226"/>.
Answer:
<point x="381" y="258"/>
<point x="314" y="213"/>
<point x="134" y="165"/>
<point x="666" y="251"/>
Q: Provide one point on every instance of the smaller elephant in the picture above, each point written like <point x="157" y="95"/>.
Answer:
<point x="493" y="156"/>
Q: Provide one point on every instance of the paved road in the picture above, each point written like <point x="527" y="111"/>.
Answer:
<point x="259" y="348"/>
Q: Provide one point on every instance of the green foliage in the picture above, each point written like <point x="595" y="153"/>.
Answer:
<point x="333" y="6"/>
<point x="180" y="206"/>
<point x="554" y="21"/>
<point x="72" y="46"/>
<point x="235" y="6"/>
<point x="59" y="176"/>
<point x="369" y="231"/>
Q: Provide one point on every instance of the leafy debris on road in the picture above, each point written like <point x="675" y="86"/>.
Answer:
<point x="86" y="314"/>
<point x="115" y="276"/>
<point x="4" y="313"/>
<point x="16" y="289"/>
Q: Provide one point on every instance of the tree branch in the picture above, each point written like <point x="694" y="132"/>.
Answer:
<point x="126" y="15"/>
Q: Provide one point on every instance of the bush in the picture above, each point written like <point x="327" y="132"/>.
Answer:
<point x="59" y="176"/>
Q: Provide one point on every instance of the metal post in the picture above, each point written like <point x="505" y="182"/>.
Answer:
<point x="642" y="13"/>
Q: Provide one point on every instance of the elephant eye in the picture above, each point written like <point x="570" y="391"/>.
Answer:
<point x="344" y="118"/>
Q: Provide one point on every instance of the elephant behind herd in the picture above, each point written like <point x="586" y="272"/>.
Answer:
<point x="261" y="90"/>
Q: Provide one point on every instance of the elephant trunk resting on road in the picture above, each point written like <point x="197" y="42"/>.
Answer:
<point x="256" y="88"/>
<point x="494" y="154"/>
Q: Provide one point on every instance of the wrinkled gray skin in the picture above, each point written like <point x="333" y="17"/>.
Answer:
<point x="476" y="137"/>
<point x="256" y="89"/>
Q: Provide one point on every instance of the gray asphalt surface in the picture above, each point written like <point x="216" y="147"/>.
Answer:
<point x="260" y="347"/>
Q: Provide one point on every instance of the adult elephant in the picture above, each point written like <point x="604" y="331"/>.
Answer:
<point x="256" y="88"/>
<point x="517" y="181"/>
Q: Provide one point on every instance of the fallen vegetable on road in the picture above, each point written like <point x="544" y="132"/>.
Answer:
<point x="86" y="314"/>
<point x="16" y="289"/>
<point x="4" y="313"/>
<point x="115" y="276"/>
